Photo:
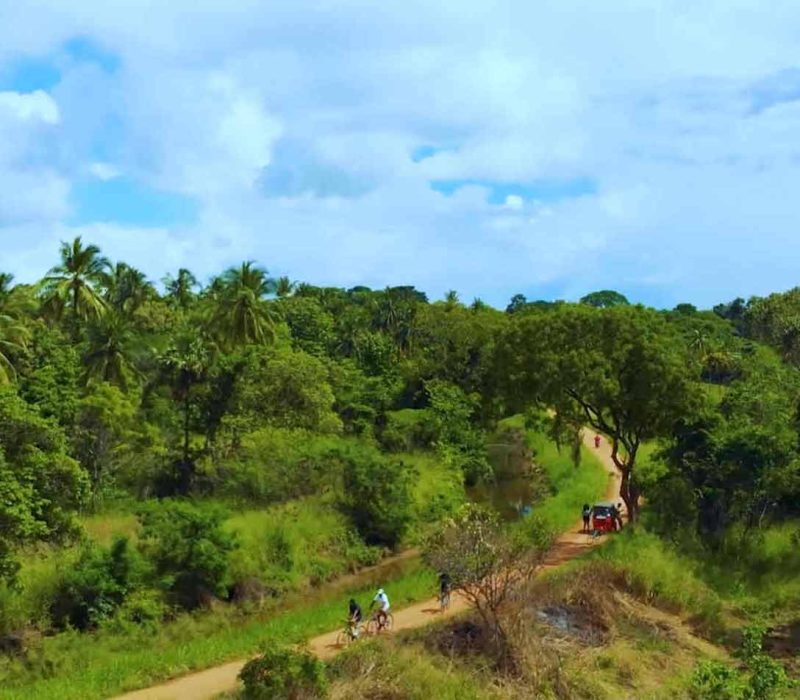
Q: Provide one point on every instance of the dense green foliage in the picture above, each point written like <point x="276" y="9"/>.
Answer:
<point x="189" y="550"/>
<point x="273" y="435"/>
<point x="284" y="674"/>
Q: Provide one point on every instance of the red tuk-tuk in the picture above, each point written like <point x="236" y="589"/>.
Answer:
<point x="604" y="518"/>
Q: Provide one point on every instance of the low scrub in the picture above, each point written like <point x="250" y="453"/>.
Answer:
<point x="282" y="673"/>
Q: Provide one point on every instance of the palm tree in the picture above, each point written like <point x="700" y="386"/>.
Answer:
<point x="13" y="339"/>
<point x="241" y="316"/>
<point x="478" y="305"/>
<point x="126" y="288"/>
<point x="72" y="284"/>
<point x="284" y="287"/>
<point x="111" y="341"/>
<point x="183" y="367"/>
<point x="14" y="334"/>
<point x="451" y="299"/>
<point x="180" y="289"/>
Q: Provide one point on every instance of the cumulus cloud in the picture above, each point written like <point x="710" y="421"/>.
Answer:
<point x="34" y="106"/>
<point x="293" y="127"/>
<point x="104" y="171"/>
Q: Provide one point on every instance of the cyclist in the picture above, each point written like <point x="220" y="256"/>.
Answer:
<point x="445" y="584"/>
<point x="587" y="515"/>
<point x="354" y="618"/>
<point x="383" y="607"/>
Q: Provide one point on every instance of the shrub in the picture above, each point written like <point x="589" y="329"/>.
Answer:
<point x="284" y="674"/>
<point x="408" y="430"/>
<point x="764" y="679"/>
<point x="97" y="585"/>
<point x="376" y="494"/>
<point x="189" y="550"/>
<point x="713" y="680"/>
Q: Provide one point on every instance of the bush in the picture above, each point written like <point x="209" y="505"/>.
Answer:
<point x="189" y="550"/>
<point x="274" y="464"/>
<point x="713" y="680"/>
<point x="408" y="430"/>
<point x="376" y="494"/>
<point x="97" y="585"/>
<point x="765" y="678"/>
<point x="284" y="674"/>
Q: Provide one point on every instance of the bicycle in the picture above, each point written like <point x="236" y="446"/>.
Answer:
<point x="375" y="626"/>
<point x="349" y="634"/>
<point x="444" y="601"/>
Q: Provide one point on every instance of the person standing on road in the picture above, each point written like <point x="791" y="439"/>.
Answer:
<point x="596" y="442"/>
<point x="587" y="516"/>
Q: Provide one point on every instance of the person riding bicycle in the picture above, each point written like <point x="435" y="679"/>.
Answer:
<point x="445" y="583"/>
<point x="354" y="618"/>
<point x="383" y="607"/>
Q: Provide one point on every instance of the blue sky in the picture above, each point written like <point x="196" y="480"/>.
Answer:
<point x="488" y="147"/>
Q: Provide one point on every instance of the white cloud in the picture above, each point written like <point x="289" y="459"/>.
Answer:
<point x="514" y="201"/>
<point x="33" y="106"/>
<point x="104" y="171"/>
<point x="655" y="104"/>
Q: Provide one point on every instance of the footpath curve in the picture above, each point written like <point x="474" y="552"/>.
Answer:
<point x="205" y="685"/>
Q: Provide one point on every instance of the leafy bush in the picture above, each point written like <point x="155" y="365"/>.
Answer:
<point x="283" y="674"/>
<point x="189" y="550"/>
<point x="376" y="494"/>
<point x="142" y="608"/>
<point x="764" y="678"/>
<point x="97" y="585"/>
<point x="713" y="680"/>
<point x="408" y="430"/>
<point x="275" y="464"/>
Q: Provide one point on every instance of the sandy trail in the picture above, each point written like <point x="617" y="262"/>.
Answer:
<point x="205" y="685"/>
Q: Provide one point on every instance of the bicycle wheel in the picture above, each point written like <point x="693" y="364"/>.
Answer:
<point x="389" y="622"/>
<point x="372" y="626"/>
<point x="444" y="601"/>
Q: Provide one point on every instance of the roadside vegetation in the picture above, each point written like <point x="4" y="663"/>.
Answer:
<point x="191" y="470"/>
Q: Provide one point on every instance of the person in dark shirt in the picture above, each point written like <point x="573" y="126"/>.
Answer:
<point x="587" y="516"/>
<point x="445" y="584"/>
<point x="355" y="617"/>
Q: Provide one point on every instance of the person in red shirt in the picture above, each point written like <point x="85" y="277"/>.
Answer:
<point x="596" y="441"/>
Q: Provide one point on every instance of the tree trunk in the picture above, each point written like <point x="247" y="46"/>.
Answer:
<point x="629" y="494"/>
<point x="186" y="416"/>
<point x="627" y="491"/>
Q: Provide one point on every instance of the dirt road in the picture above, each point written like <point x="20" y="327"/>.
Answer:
<point x="207" y="684"/>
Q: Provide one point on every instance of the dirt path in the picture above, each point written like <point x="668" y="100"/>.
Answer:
<point x="207" y="684"/>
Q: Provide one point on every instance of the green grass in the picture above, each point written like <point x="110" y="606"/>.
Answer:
<point x="658" y="573"/>
<point x="438" y="490"/>
<point x="312" y="539"/>
<point x="385" y="668"/>
<point x="291" y="545"/>
<point x="571" y="486"/>
<point x="98" y="666"/>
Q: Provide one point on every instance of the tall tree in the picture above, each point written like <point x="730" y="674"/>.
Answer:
<point x="14" y="334"/>
<point x="41" y="485"/>
<point x="284" y="287"/>
<point x="451" y="299"/>
<point x="184" y="368"/>
<point x="109" y="358"/>
<point x="180" y="289"/>
<point x="241" y="316"/>
<point x="623" y="371"/>
<point x="14" y="337"/>
<point x="72" y="285"/>
<point x="604" y="299"/>
<point x="126" y="288"/>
